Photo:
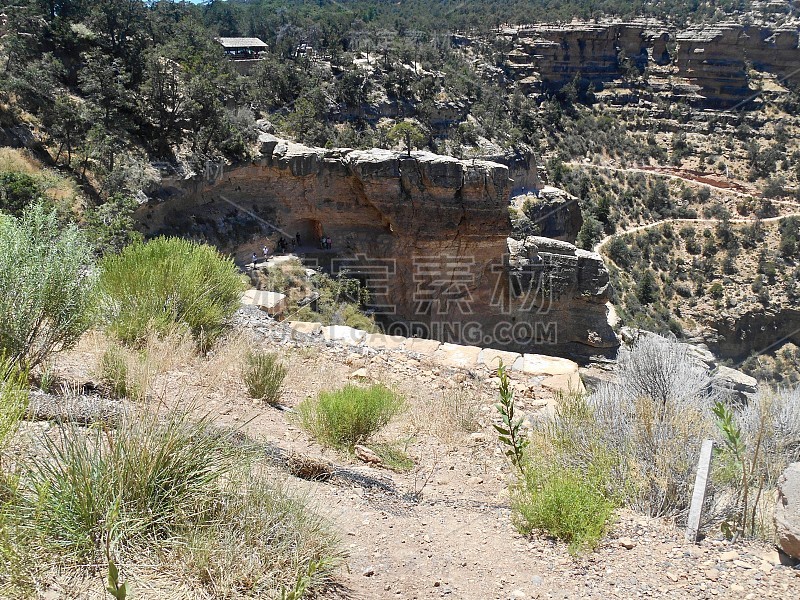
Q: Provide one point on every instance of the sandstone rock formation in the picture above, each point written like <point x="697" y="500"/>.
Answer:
<point x="787" y="511"/>
<point x="735" y="381"/>
<point x="426" y="233"/>
<point x="754" y="331"/>
<point x="567" y="285"/>
<point x="554" y="55"/>
<point x="550" y="372"/>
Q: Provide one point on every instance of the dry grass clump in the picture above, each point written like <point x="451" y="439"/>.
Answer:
<point x="135" y="373"/>
<point x="263" y="375"/>
<point x="449" y="415"/>
<point x="308" y="467"/>
<point x="17" y="161"/>
<point x="161" y="491"/>
<point x="220" y="368"/>
<point x="759" y="440"/>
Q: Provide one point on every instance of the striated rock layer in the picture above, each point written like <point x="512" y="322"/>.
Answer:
<point x="426" y="233"/>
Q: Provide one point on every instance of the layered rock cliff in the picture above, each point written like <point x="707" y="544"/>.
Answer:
<point x="709" y="62"/>
<point x="716" y="58"/>
<point x="426" y="233"/>
<point x="553" y="55"/>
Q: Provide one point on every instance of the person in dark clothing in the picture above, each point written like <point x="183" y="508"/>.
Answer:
<point x="297" y="238"/>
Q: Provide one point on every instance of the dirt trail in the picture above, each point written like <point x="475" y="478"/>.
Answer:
<point x="458" y="541"/>
<point x="598" y="247"/>
<point x="444" y="530"/>
<point x="688" y="176"/>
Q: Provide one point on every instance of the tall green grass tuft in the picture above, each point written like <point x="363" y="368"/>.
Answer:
<point x="142" y="481"/>
<point x="116" y="376"/>
<point x="163" y="492"/>
<point x="166" y="283"/>
<point x="263" y="375"/>
<point x="13" y="401"/>
<point x="349" y="416"/>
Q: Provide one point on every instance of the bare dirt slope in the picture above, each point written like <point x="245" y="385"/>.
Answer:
<point x="443" y="530"/>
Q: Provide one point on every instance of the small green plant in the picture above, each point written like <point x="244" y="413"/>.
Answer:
<point x="349" y="416"/>
<point x="393" y="456"/>
<point x="510" y="431"/>
<point x="302" y="582"/>
<point x="17" y="191"/>
<point x="47" y="378"/>
<point x="716" y="290"/>
<point x="563" y="502"/>
<point x="115" y="587"/>
<point x="263" y="375"/>
<point x="167" y="284"/>
<point x="735" y="445"/>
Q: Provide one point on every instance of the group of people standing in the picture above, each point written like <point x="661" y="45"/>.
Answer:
<point x="295" y="242"/>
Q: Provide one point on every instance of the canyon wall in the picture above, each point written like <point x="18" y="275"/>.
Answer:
<point x="553" y="55"/>
<point x="426" y="233"/>
<point x="716" y="58"/>
<point x="709" y="64"/>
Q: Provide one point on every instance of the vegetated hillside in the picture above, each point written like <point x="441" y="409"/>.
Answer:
<point x="692" y="278"/>
<point x="110" y="86"/>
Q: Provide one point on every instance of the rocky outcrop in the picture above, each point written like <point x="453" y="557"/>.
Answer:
<point x="522" y="169"/>
<point x="739" y="335"/>
<point x="550" y="372"/>
<point x="426" y="233"/>
<point x="550" y="56"/>
<point x="568" y="287"/>
<point x="735" y="382"/>
<point x="556" y="213"/>
<point x="787" y="511"/>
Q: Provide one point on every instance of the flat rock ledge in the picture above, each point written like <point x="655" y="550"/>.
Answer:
<point x="551" y="372"/>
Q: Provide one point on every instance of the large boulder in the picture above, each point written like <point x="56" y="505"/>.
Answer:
<point x="787" y="511"/>
<point x="735" y="382"/>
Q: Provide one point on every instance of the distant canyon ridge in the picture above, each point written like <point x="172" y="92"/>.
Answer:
<point x="708" y="64"/>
